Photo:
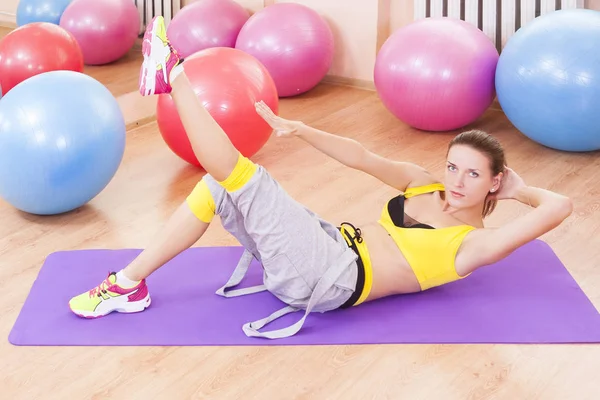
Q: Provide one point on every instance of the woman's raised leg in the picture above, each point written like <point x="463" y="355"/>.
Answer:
<point x="161" y="73"/>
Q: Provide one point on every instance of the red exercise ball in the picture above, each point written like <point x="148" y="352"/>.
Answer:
<point x="36" y="48"/>
<point x="227" y="82"/>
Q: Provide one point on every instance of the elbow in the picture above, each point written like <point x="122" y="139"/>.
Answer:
<point x="557" y="211"/>
<point x="563" y="208"/>
<point x="566" y="206"/>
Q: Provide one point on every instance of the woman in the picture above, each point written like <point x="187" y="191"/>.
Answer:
<point x="431" y="234"/>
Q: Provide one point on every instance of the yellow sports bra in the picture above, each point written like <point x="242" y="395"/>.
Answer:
<point x="430" y="252"/>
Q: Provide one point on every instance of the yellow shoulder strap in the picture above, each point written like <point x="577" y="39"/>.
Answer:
<point x="415" y="191"/>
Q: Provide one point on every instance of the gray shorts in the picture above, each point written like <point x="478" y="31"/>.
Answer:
<point x="307" y="263"/>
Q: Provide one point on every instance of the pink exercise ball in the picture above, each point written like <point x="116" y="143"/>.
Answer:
<point x="205" y="24"/>
<point x="105" y="29"/>
<point x="437" y="74"/>
<point x="293" y="42"/>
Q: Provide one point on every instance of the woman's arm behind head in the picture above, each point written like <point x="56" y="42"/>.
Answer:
<point x="490" y="245"/>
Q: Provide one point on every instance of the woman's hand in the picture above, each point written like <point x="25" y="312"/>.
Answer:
<point x="510" y="186"/>
<point x="281" y="126"/>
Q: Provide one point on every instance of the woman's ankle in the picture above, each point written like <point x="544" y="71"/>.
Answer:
<point x="127" y="278"/>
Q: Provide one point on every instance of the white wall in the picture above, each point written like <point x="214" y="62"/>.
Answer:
<point x="8" y="12"/>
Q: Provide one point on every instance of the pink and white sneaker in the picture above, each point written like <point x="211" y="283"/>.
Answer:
<point x="109" y="297"/>
<point x="159" y="59"/>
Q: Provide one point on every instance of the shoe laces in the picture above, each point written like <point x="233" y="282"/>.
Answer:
<point x="101" y="288"/>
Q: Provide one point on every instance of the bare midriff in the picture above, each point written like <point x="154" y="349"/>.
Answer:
<point x="391" y="272"/>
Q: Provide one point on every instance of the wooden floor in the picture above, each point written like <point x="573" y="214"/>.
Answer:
<point x="152" y="182"/>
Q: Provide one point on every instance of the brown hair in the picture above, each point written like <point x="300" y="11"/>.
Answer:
<point x="491" y="147"/>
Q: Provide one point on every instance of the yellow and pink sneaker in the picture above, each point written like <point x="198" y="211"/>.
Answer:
<point x="159" y="59"/>
<point x="108" y="297"/>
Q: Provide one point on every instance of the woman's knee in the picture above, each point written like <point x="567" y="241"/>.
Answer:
<point x="242" y="173"/>
<point x="201" y="202"/>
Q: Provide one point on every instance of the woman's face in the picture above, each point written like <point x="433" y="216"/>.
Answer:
<point x="468" y="177"/>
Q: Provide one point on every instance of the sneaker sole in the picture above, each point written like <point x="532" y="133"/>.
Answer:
<point x="148" y="75"/>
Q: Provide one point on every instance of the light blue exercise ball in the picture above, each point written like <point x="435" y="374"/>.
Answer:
<point x="41" y="11"/>
<point x="548" y="80"/>
<point x="62" y="139"/>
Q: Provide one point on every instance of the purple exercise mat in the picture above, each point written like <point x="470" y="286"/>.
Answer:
<point x="528" y="298"/>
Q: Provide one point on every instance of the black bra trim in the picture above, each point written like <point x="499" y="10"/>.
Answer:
<point x="396" y="211"/>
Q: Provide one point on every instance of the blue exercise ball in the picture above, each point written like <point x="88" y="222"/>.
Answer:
<point x="548" y="80"/>
<point x="62" y="139"/>
<point x="40" y="11"/>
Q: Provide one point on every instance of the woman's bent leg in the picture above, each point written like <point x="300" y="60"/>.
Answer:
<point x="126" y="291"/>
